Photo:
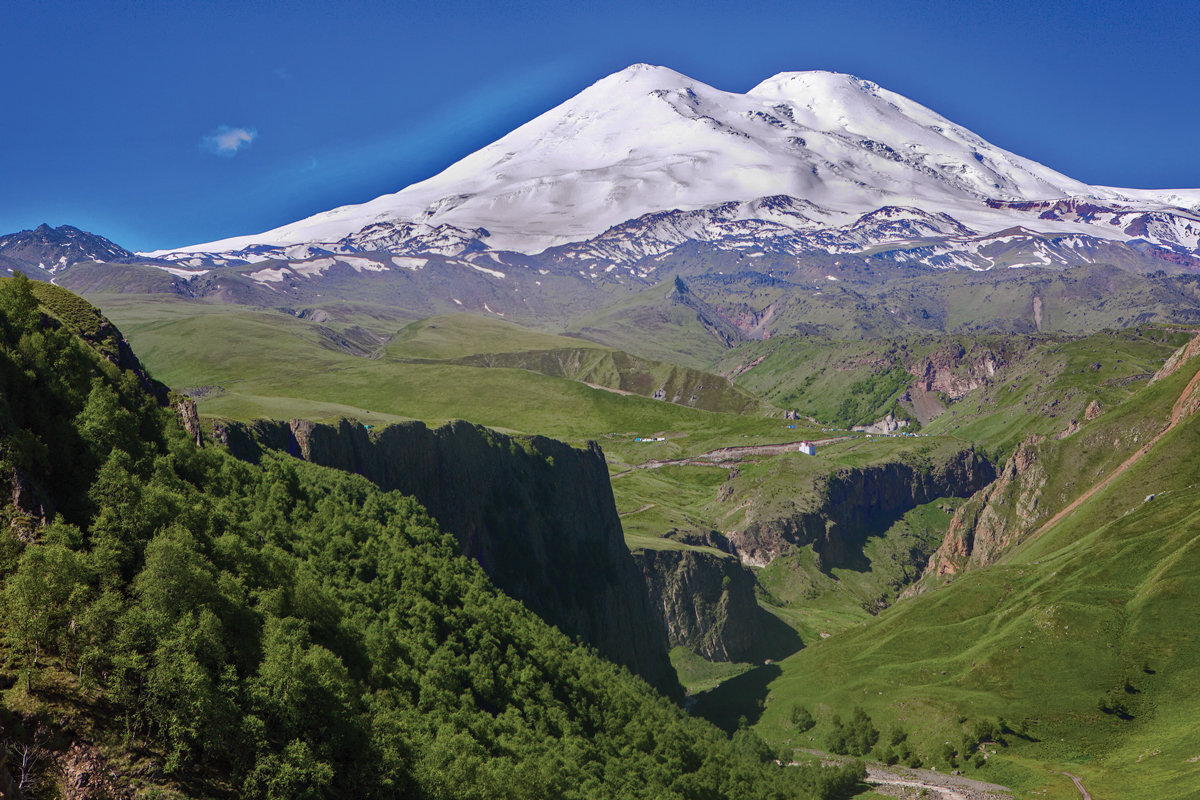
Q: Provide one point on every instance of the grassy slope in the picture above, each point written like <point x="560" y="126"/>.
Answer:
<point x="1048" y="380"/>
<point x="1055" y="384"/>
<point x="1106" y="594"/>
<point x="456" y="335"/>
<point x="997" y="642"/>
<point x="649" y="325"/>
<point x="269" y="364"/>
<point x="819" y="603"/>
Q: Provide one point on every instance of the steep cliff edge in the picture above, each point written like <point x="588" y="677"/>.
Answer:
<point x="706" y="603"/>
<point x="538" y="515"/>
<point x="996" y="517"/>
<point x="858" y="503"/>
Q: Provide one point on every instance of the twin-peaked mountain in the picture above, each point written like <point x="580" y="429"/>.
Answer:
<point x="647" y="174"/>
<point x="648" y="139"/>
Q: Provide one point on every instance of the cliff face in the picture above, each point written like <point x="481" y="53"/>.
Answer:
<point x="952" y="371"/>
<point x="996" y="517"/>
<point x="536" y="514"/>
<point x="857" y="503"/>
<point x="705" y="602"/>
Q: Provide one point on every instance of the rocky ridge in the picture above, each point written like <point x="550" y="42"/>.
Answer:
<point x="44" y="251"/>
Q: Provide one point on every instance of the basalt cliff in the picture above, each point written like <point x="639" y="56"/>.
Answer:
<point x="537" y="514"/>
<point x="857" y="503"/>
<point x="706" y="603"/>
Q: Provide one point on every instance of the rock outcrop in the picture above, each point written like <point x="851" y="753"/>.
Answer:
<point x="1180" y="357"/>
<point x="953" y="371"/>
<point x="996" y="517"/>
<point x="189" y="418"/>
<point x="856" y="503"/>
<point x="889" y="424"/>
<point x="705" y="602"/>
<point x="538" y="516"/>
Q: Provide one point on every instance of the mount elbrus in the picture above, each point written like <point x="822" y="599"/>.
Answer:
<point x="646" y="175"/>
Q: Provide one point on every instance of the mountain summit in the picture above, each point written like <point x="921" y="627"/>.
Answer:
<point x="45" y="250"/>
<point x="648" y="138"/>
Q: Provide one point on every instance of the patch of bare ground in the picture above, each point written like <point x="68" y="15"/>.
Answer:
<point x="902" y="782"/>
<point x="939" y="785"/>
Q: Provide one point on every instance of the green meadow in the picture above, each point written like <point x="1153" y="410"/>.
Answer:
<point x="1043" y="644"/>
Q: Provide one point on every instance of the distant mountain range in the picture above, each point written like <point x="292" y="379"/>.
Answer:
<point x="809" y="178"/>
<point x="794" y="164"/>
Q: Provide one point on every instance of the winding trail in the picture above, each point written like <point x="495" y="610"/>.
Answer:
<point x="1179" y="411"/>
<point x="1079" y="785"/>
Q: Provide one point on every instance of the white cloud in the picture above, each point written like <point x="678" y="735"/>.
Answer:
<point x="227" y="141"/>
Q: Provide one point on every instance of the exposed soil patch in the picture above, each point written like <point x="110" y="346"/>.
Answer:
<point x="1079" y="785"/>
<point x="903" y="782"/>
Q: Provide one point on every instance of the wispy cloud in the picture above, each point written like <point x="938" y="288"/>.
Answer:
<point x="227" y="141"/>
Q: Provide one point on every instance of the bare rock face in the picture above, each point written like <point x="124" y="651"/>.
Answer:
<point x="953" y="373"/>
<point x="1178" y="359"/>
<point x="706" y="602"/>
<point x="538" y="516"/>
<point x="87" y="776"/>
<point x="996" y="517"/>
<point x="889" y="424"/>
<point x="185" y="410"/>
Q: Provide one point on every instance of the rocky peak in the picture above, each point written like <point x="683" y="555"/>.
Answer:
<point x="50" y="250"/>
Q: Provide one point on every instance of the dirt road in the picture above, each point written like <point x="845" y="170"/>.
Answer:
<point x="729" y="457"/>
<point x="936" y="784"/>
<point x="1079" y="785"/>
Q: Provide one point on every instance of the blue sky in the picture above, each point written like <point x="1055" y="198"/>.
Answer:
<point x="168" y="123"/>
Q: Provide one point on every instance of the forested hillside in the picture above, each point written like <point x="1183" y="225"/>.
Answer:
<point x="179" y="623"/>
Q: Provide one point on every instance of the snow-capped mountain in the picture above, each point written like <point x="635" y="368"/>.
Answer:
<point x="647" y="140"/>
